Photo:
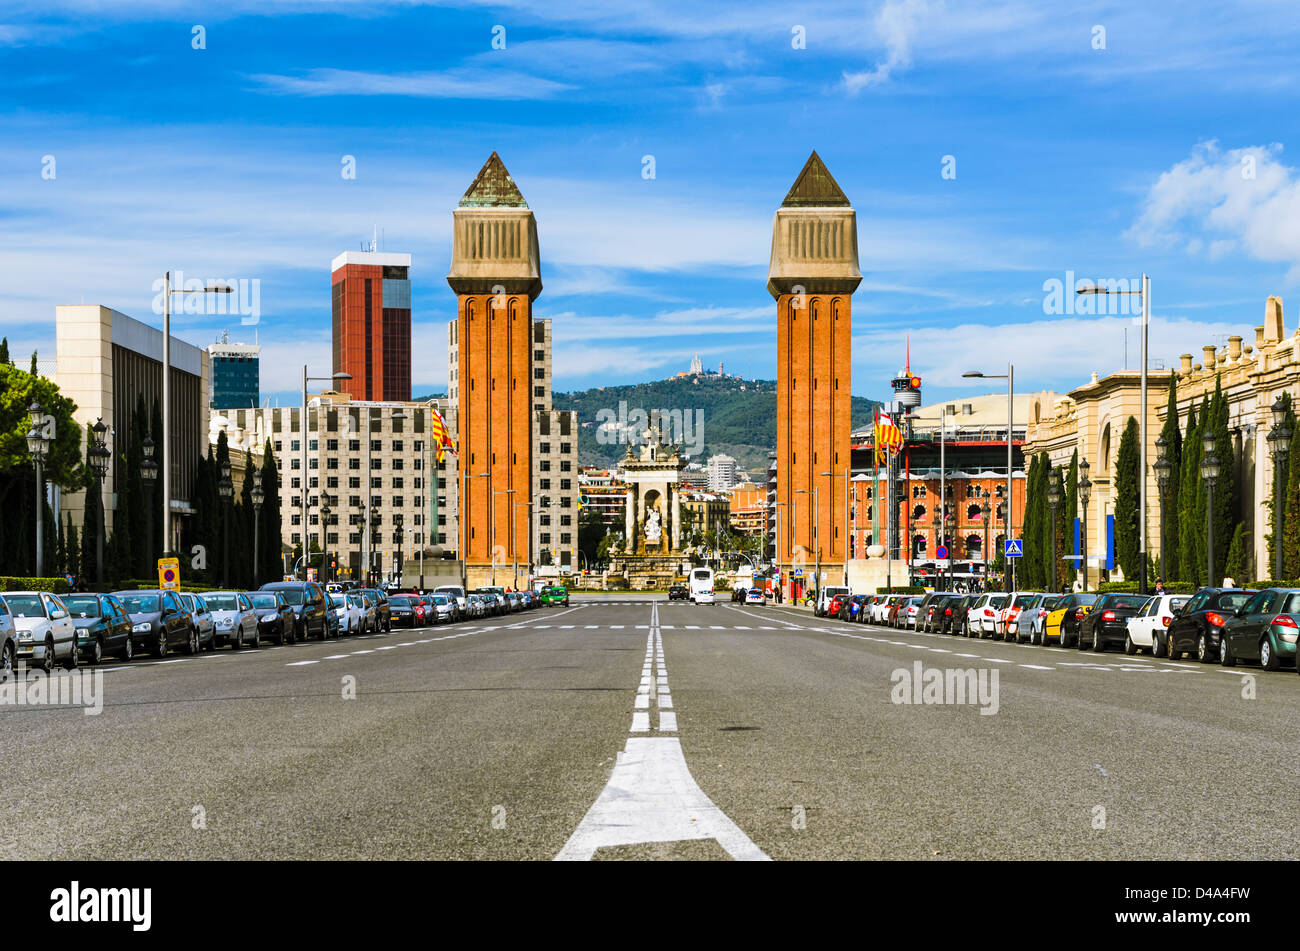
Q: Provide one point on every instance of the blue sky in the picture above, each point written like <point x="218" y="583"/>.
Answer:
<point x="1166" y="151"/>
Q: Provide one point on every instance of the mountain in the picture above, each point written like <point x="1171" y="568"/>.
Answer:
<point x="707" y="412"/>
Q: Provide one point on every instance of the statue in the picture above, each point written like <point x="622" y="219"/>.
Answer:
<point x="652" y="533"/>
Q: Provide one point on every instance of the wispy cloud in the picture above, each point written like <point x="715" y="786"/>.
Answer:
<point x="458" y="83"/>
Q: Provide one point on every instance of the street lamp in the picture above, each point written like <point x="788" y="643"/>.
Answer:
<point x="39" y="446"/>
<point x="1210" y="474"/>
<point x="148" y="475"/>
<point x="258" y="498"/>
<point x="226" y="489"/>
<point x="167" y="293"/>
<point x="302" y="432"/>
<point x="1053" y="500"/>
<point x="397" y="540"/>
<point x="1145" y="293"/>
<point x="1163" y="467"/>
<point x="99" y="456"/>
<point x="326" y="511"/>
<point x="492" y="517"/>
<point x="1010" y="377"/>
<point x="985" y="509"/>
<point x="1084" y="487"/>
<point x="1279" y="441"/>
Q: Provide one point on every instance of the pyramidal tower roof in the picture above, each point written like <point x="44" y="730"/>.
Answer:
<point x="494" y="188"/>
<point x="814" y="188"/>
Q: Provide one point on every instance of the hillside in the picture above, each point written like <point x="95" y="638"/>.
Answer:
<point x="738" y="416"/>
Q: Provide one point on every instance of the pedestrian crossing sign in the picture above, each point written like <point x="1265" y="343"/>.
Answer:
<point x="1015" y="548"/>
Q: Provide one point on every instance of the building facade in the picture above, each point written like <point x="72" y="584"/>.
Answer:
<point x="722" y="472"/>
<point x="371" y="309"/>
<point x="236" y="369"/>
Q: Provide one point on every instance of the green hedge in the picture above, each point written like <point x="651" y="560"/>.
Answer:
<point x="1131" y="587"/>
<point x="53" y="585"/>
<point x="142" y="584"/>
<point x="908" y="589"/>
<point x="1273" y="584"/>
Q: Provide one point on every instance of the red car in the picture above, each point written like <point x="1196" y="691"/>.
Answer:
<point x="835" y="603"/>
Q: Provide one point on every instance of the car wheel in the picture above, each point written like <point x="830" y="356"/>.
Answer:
<point x="1157" y="647"/>
<point x="257" y="640"/>
<point x="1097" y="646"/>
<point x="1129" y="646"/>
<point x="237" y="641"/>
<point x="128" y="649"/>
<point x="7" y="663"/>
<point x="160" y="649"/>
<point x="97" y="651"/>
<point x="47" y="658"/>
<point x="1225" y="653"/>
<point x="1268" y="658"/>
<point x="1203" y="648"/>
<point x="192" y="646"/>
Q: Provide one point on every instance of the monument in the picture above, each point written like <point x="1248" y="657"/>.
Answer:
<point x="651" y="556"/>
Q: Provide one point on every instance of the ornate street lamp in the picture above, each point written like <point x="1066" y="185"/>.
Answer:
<point x="1279" y="443"/>
<point x="985" y="508"/>
<point x="1162" y="467"/>
<point x="226" y="489"/>
<point x="100" y="455"/>
<point x="1053" y="500"/>
<point x="148" y="475"/>
<point x="326" y="510"/>
<point x="39" y="446"/>
<point x="258" y="497"/>
<point x="1210" y="469"/>
<point x="1085" y="493"/>
<point x="397" y="540"/>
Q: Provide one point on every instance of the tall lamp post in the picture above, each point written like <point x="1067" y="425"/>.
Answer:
<point x="794" y="528"/>
<point x="167" y="292"/>
<point x="148" y="475"/>
<point x="1145" y="293"/>
<point x="227" y="490"/>
<point x="985" y="509"/>
<point x="397" y="540"/>
<point x="326" y="512"/>
<point x="513" y="533"/>
<point x="1162" y="467"/>
<point x="99" y="456"/>
<point x="1210" y="474"/>
<point x="1010" y="377"/>
<point x="39" y="446"/>
<point x="1279" y="441"/>
<point x="1084" y="487"/>
<point x="258" y="498"/>
<point x="1053" y="500"/>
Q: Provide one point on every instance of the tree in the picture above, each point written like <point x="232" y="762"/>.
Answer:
<point x="272" y="565"/>
<point x="1226" y="498"/>
<point x="1169" y="521"/>
<point x="72" y="552"/>
<point x="1240" y="564"/>
<point x="1128" y="548"/>
<point x="4" y="351"/>
<point x="92" y="525"/>
<point x="1278" y="495"/>
<point x="1069" y="514"/>
<point x="591" y="529"/>
<point x="1191" y="537"/>
<point x="1291" y="539"/>
<point x="32" y="371"/>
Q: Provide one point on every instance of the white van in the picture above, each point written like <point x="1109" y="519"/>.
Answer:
<point x="701" y="583"/>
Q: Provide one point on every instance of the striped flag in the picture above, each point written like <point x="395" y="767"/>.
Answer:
<point x="889" y="438"/>
<point x="440" y="435"/>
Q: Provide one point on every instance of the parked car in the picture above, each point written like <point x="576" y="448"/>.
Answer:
<point x="949" y="619"/>
<point x="557" y="594"/>
<point x="1006" y="625"/>
<point x="159" y="621"/>
<point x="383" y="614"/>
<point x="925" y="610"/>
<point x="234" y="619"/>
<point x="475" y="606"/>
<point x="408" y="610"/>
<point x="1263" y="630"/>
<point x="1063" y="622"/>
<point x="102" y="626"/>
<point x="835" y="603"/>
<point x="347" y="612"/>
<point x="458" y="596"/>
<point x="202" y="616"/>
<point x="1033" y="619"/>
<point x="44" y="634"/>
<point x="1199" y="625"/>
<point x="8" y="642"/>
<point x="1148" y="629"/>
<point x="276" y="619"/>
<point x="824" y="598"/>
<point x="982" y="614"/>
<point x="444" y="609"/>
<point x="1107" y="622"/>
<point x="678" y="592"/>
<point x="310" y="607"/>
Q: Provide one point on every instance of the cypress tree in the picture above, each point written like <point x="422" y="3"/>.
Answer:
<point x="1290" y="531"/>
<point x="1240" y="564"/>
<point x="4" y="350"/>
<point x="1027" y="574"/>
<point x="1173" y="438"/>
<point x="72" y="552"/>
<point x="1127" y="539"/>
<point x="1226" y="499"/>
<point x="245" y="570"/>
<point x="1069" y="514"/>
<point x="1190" y="537"/>
<point x="272" y="530"/>
<point x="91" y="525"/>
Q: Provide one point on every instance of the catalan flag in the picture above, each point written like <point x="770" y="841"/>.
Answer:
<point x="889" y="438"/>
<point x="440" y="435"/>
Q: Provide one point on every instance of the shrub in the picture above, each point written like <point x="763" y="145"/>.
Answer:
<point x="53" y="585"/>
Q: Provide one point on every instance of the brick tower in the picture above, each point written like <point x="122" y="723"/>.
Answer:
<point x="496" y="274"/>
<point x="813" y="273"/>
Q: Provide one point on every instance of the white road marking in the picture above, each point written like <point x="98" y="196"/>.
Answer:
<point x="302" y="663"/>
<point x="667" y="722"/>
<point x="640" y="724"/>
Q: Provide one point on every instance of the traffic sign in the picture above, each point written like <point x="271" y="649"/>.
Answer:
<point x="941" y="551"/>
<point x="1014" y="548"/>
<point x="797" y="573"/>
<point x="169" y="573"/>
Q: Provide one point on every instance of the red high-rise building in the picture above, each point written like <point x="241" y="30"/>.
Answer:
<point x="372" y="323"/>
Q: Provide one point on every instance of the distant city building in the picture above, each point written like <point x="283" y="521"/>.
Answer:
<point x="371" y="305"/>
<point x="748" y="509"/>
<point x="696" y="365"/>
<point x="704" y="512"/>
<point x="603" y="492"/>
<point x="236" y="371"/>
<point x="722" y="472"/>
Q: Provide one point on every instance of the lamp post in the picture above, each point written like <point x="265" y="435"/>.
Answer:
<point x="303" y="433"/>
<point x="148" y="475"/>
<point x="1162" y="467"/>
<point x="326" y="510"/>
<point x="1084" y="487"/>
<point x="492" y="517"/>
<point x="167" y="292"/>
<point x="99" y="455"/>
<point x="1145" y="293"/>
<point x="39" y="446"/>
<point x="397" y="540"/>
<point x="376" y="539"/>
<point x="1053" y="500"/>
<point x="1210" y="474"/>
<point x="1010" y="377"/>
<point x="1279" y="441"/>
<point x="258" y="498"/>
<point x="985" y="509"/>
<point x="226" y="489"/>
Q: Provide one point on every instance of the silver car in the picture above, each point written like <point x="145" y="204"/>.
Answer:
<point x="8" y="643"/>
<point x="233" y="617"/>
<point x="203" y="619"/>
<point x="44" y="634"/>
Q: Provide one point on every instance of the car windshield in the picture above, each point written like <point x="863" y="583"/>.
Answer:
<point x="1176" y="604"/>
<point x="137" y="603"/>
<point x="1086" y="598"/>
<point x="440" y="599"/>
<point x="263" y="600"/>
<point x="998" y="602"/>
<point x="1234" y="600"/>
<point x="82" y="606"/>
<point x="1024" y="600"/>
<point x="292" y="595"/>
<point x="25" y="605"/>
<point x="222" y="602"/>
<point x="337" y="600"/>
<point x="401" y="600"/>
<point x="1134" y="601"/>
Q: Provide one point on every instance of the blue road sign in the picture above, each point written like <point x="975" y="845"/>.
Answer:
<point x="941" y="552"/>
<point x="798" y="572"/>
<point x="1014" y="548"/>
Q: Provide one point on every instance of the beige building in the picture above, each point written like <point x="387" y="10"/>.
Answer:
<point x="1092" y="419"/>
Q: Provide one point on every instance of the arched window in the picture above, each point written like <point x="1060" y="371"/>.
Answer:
<point x="973" y="512"/>
<point x="1103" y="461"/>
<point x="918" y="513"/>
<point x="974" y="546"/>
<point x="919" y="546"/>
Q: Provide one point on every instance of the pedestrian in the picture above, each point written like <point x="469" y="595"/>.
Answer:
<point x="1160" y="586"/>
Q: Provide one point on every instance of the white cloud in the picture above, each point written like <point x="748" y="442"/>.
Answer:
<point x="895" y="24"/>
<point x="459" y="83"/>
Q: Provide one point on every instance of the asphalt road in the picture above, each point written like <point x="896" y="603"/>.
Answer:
<point x="625" y="728"/>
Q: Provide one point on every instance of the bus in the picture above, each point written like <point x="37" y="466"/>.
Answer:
<point x="701" y="583"/>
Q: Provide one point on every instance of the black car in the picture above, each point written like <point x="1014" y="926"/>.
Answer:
<point x="1199" y="625"/>
<point x="1107" y="622"/>
<point x="102" y="626"/>
<point x="310" y="606"/>
<point x="1076" y="608"/>
<point x="159" y="621"/>
<point x="383" y="612"/>
<point x="276" y="620"/>
<point x="678" y="592"/>
<point x="925" y="610"/>
<point x="949" y="615"/>
<point x="407" y="610"/>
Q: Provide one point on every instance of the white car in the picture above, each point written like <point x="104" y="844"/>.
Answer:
<point x="44" y="632"/>
<point x="755" y="596"/>
<point x="1008" y="616"/>
<point x="1146" y="629"/>
<point x="982" y="615"/>
<point x="348" y="610"/>
<point x="878" y="610"/>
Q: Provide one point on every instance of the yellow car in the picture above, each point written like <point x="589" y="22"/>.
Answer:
<point x="1063" y="621"/>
